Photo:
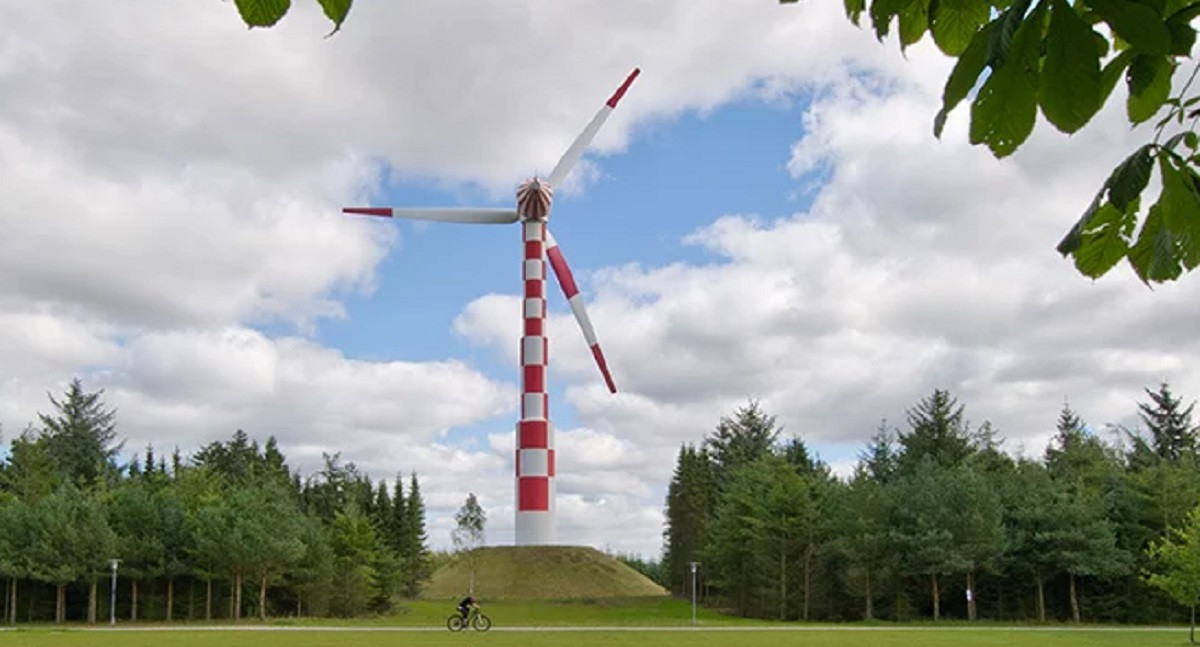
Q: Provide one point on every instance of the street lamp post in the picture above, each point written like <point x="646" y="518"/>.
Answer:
<point x="112" y="598"/>
<point x="694" y="565"/>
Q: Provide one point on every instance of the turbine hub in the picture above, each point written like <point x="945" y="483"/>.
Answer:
<point x="533" y="199"/>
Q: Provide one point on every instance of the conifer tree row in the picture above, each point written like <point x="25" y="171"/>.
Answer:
<point x="937" y="521"/>
<point x="229" y="532"/>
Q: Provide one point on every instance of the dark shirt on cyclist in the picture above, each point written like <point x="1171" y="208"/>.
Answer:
<point x="464" y="607"/>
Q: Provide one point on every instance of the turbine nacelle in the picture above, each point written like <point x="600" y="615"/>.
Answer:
<point x="534" y="198"/>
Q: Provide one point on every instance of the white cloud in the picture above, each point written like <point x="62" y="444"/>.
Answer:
<point x="188" y="388"/>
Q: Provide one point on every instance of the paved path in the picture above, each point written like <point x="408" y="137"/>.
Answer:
<point x="701" y="628"/>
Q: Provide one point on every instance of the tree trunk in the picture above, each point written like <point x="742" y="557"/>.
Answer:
<point x="170" y="597"/>
<point x="782" y="583"/>
<point x="937" y="599"/>
<point x="1192" y="632"/>
<point x="12" y="601"/>
<point x="808" y="555"/>
<point x="1041" y="598"/>
<point x="208" y="599"/>
<point x="60" y="606"/>
<point x="262" y="598"/>
<point x="870" y="615"/>
<point x="237" y="596"/>
<point x="133" y="600"/>
<point x="1074" y="600"/>
<point x="92" y="602"/>
<point x="970" y="595"/>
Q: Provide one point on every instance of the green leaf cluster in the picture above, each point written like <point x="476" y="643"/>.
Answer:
<point x="1167" y="243"/>
<point x="265" y="13"/>
<point x="1064" y="58"/>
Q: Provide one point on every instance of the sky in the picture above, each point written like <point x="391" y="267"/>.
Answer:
<point x="766" y="216"/>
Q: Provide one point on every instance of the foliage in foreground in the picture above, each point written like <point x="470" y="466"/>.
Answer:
<point x="1064" y="59"/>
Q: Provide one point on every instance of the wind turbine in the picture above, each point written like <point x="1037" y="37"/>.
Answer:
<point x="534" y="433"/>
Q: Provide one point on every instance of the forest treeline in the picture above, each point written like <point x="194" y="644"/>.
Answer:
<point x="229" y="532"/>
<point x="937" y="521"/>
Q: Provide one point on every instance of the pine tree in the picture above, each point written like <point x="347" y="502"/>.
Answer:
<point x="416" y="552"/>
<point x="1078" y="457"/>
<point x="1029" y="505"/>
<point x="72" y="540"/>
<point x="758" y="542"/>
<point x="148" y="470"/>
<point x="274" y="465"/>
<point x="1170" y="424"/>
<point x="1080" y="538"/>
<point x="399" y="519"/>
<point x="862" y="534"/>
<point x="747" y="436"/>
<point x="382" y="510"/>
<point x="690" y="500"/>
<point x="923" y="520"/>
<point x="880" y="456"/>
<point x="796" y="453"/>
<point x="80" y="436"/>
<point x="234" y="459"/>
<point x="936" y="430"/>
<point x="357" y="583"/>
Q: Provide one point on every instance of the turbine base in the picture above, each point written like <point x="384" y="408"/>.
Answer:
<point x="535" y="529"/>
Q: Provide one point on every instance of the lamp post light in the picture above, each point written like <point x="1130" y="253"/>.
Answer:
<point x="694" y="565"/>
<point x="112" y="598"/>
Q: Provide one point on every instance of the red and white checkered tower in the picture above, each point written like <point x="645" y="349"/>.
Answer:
<point x="534" y="458"/>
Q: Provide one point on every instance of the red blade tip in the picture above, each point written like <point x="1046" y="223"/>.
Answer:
<point x="599" y="356"/>
<point x="386" y="212"/>
<point x="612" y="101"/>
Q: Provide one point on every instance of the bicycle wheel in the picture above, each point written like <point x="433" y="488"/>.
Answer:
<point x="482" y="623"/>
<point x="454" y="623"/>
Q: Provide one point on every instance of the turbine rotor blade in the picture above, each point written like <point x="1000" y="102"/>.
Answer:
<point x="571" y="290"/>
<point x="440" y="214"/>
<point x="575" y="151"/>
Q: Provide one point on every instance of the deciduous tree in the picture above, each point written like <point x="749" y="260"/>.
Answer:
<point x="1176" y="557"/>
<point x="468" y="533"/>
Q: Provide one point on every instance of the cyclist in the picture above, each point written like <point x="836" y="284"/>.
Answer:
<point x="466" y="605"/>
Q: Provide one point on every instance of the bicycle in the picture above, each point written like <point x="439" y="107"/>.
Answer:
<point x="475" y="619"/>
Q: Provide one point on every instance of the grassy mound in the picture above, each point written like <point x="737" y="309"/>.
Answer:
<point x="539" y="573"/>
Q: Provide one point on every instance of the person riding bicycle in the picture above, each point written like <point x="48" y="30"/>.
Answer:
<point x="466" y="605"/>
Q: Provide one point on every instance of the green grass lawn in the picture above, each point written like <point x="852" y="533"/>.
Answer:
<point x="654" y="622"/>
